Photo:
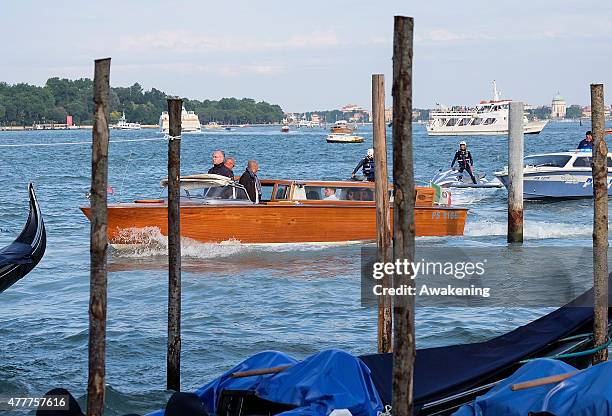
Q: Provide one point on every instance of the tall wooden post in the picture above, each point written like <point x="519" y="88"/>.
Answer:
<point x="98" y="240"/>
<point x="515" y="172"/>
<point x="600" y="222"/>
<point x="383" y="224"/>
<point x="173" y="375"/>
<point x="403" y="215"/>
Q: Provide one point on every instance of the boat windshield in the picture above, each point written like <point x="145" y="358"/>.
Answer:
<point x="553" y="161"/>
<point x="339" y="193"/>
<point x="211" y="193"/>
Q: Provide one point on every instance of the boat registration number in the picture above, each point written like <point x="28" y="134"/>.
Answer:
<point x="451" y="215"/>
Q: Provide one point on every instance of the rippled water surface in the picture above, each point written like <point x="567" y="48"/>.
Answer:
<point x="237" y="300"/>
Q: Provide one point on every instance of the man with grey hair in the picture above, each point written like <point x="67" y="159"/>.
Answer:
<point x="219" y="168"/>
<point x="230" y="162"/>
<point x="250" y="181"/>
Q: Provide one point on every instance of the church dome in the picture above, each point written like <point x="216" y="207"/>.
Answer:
<point x="558" y="97"/>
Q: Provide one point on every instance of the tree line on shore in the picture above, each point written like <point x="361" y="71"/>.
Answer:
<point x="25" y="104"/>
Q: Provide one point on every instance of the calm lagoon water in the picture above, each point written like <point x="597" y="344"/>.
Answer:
<point x="237" y="300"/>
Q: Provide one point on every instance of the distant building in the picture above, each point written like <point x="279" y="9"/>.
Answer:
<point x="586" y="112"/>
<point x="388" y="115"/>
<point x="351" y="108"/>
<point x="559" y="106"/>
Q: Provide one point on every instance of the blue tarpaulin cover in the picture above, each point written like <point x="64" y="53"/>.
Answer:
<point x="588" y="393"/>
<point x="329" y="380"/>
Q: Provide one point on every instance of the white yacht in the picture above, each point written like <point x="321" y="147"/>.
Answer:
<point x="558" y="175"/>
<point x="190" y="122"/>
<point x="122" y="124"/>
<point x="487" y="118"/>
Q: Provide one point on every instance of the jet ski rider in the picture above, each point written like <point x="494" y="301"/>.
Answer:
<point x="367" y="166"/>
<point x="465" y="161"/>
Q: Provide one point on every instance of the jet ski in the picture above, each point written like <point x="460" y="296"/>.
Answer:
<point x="453" y="179"/>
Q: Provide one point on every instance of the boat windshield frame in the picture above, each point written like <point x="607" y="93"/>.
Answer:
<point x="556" y="161"/>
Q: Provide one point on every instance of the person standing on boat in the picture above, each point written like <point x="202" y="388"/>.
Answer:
<point x="465" y="160"/>
<point x="367" y="166"/>
<point x="587" y="142"/>
<point x="250" y="181"/>
<point x="219" y="168"/>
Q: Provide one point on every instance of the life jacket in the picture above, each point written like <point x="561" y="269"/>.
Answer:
<point x="368" y="167"/>
<point x="463" y="157"/>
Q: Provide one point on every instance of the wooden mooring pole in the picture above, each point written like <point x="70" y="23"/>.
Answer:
<point x="403" y="215"/>
<point x="515" y="172"/>
<point x="600" y="223"/>
<point x="98" y="240"/>
<point x="173" y="372"/>
<point x="383" y="224"/>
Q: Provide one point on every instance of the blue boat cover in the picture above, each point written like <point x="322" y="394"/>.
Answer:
<point x="588" y="393"/>
<point x="317" y="385"/>
<point x="443" y="371"/>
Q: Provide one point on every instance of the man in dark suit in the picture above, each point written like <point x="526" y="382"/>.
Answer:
<point x="219" y="168"/>
<point x="250" y="181"/>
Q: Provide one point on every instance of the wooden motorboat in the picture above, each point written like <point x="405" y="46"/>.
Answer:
<point x="216" y="209"/>
<point x="341" y="127"/>
<point x="22" y="255"/>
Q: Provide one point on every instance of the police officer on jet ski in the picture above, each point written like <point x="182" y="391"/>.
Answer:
<point x="465" y="161"/>
<point x="367" y="166"/>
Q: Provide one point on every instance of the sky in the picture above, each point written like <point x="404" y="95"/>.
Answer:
<point x="316" y="55"/>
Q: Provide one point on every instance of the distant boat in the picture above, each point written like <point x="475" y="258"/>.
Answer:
<point x="190" y="122"/>
<point x="341" y="126"/>
<point x="22" y="255"/>
<point x="285" y="129"/>
<point x="487" y="118"/>
<point x="122" y="124"/>
<point x="212" y="125"/>
<point x="344" y="138"/>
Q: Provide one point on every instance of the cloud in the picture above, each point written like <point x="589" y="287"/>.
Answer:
<point x="228" y="70"/>
<point x="185" y="42"/>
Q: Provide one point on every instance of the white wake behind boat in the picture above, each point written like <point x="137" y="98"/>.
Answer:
<point x="453" y="179"/>
<point x="344" y="138"/>
<point x="488" y="118"/>
<point x="562" y="175"/>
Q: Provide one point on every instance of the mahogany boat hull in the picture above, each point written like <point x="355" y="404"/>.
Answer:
<point x="272" y="223"/>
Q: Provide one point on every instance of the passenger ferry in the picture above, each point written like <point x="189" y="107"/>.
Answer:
<point x="190" y="122"/>
<point x="122" y="124"/>
<point x="215" y="209"/>
<point x="488" y="118"/>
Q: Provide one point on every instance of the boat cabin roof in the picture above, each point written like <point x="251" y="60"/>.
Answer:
<point x="319" y="191"/>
